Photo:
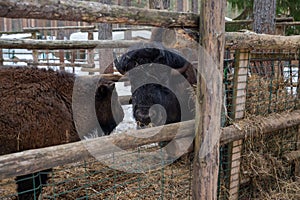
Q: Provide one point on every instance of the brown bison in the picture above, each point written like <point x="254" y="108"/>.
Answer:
<point x="36" y="110"/>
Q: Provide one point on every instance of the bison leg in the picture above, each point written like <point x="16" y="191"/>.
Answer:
<point x="29" y="186"/>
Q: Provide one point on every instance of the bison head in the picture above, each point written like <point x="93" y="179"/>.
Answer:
<point x="108" y="109"/>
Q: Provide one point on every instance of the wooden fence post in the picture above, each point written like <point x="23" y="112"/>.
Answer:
<point x="61" y="60"/>
<point x="128" y="34"/>
<point x="35" y="54"/>
<point x="297" y="162"/>
<point x="90" y="52"/>
<point x="209" y="100"/>
<point x="105" y="55"/>
<point x="238" y="112"/>
<point x="1" y="58"/>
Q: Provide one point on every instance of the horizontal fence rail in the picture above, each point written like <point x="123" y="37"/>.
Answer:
<point x="251" y="40"/>
<point x="25" y="162"/>
<point x="234" y="40"/>
<point x="65" y="44"/>
<point x="37" y="29"/>
<point x="87" y="11"/>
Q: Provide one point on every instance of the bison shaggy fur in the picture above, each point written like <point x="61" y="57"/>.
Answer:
<point x="152" y="85"/>
<point x="36" y="111"/>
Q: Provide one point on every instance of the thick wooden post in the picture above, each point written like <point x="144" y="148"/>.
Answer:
<point x="73" y="58"/>
<point x="209" y="99"/>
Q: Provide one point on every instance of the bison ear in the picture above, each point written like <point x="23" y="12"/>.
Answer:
<point x="130" y="100"/>
<point x="117" y="63"/>
<point x="105" y="90"/>
<point x="111" y="86"/>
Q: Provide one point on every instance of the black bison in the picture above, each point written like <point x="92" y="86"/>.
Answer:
<point x="155" y="104"/>
<point x="36" y="111"/>
<point x="154" y="86"/>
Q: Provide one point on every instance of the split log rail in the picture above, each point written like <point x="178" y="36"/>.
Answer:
<point x="25" y="162"/>
<point x="234" y="40"/>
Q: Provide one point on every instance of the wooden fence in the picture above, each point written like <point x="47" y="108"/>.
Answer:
<point x="12" y="165"/>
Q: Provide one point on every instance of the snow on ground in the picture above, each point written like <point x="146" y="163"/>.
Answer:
<point x="118" y="35"/>
<point x="16" y="36"/>
<point x="128" y="122"/>
<point x="291" y="74"/>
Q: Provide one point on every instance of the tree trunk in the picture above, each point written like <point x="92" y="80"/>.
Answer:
<point x="264" y="13"/>
<point x="195" y="6"/>
<point x="180" y="5"/>
<point x="159" y="4"/>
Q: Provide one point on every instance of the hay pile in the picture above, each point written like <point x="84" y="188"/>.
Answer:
<point x="266" y="95"/>
<point x="263" y="170"/>
<point x="100" y="182"/>
<point x="264" y="173"/>
<point x="93" y="180"/>
<point x="7" y="189"/>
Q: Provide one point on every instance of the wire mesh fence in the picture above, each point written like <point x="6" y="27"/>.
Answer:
<point x="272" y="86"/>
<point x="264" y="172"/>
<point x="92" y="179"/>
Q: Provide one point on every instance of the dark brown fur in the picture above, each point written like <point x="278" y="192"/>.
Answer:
<point x="36" y="110"/>
<point x="35" y="107"/>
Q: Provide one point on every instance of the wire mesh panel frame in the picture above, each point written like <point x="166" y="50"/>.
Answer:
<point x="278" y="59"/>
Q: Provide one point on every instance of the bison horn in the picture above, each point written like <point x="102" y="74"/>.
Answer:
<point x="116" y="61"/>
<point x="183" y="69"/>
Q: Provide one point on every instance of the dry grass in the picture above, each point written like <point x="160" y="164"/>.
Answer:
<point x="263" y="171"/>
<point x="94" y="180"/>
<point x="268" y="95"/>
